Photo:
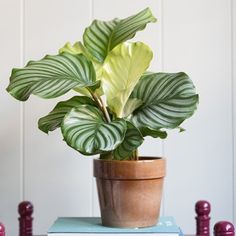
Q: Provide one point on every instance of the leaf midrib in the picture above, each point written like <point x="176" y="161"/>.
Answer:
<point x="111" y="36"/>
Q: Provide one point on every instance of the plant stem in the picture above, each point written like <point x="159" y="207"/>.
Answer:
<point x="105" y="110"/>
<point x="106" y="156"/>
<point x="135" y="155"/>
<point x="101" y="105"/>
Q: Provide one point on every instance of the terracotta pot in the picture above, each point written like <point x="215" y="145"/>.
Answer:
<point x="130" y="191"/>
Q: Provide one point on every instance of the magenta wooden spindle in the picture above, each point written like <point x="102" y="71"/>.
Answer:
<point x="224" y="228"/>
<point x="2" y="229"/>
<point x="25" y="210"/>
<point x="203" y="209"/>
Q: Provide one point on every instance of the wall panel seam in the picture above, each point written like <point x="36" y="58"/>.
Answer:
<point x="22" y="143"/>
<point x="233" y="17"/>
<point x="92" y="207"/>
<point x="162" y="56"/>
<point x="162" y="69"/>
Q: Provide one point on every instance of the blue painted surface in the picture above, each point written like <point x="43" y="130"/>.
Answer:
<point x="93" y="225"/>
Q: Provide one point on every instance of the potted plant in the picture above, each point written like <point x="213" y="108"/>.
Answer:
<point x="118" y="104"/>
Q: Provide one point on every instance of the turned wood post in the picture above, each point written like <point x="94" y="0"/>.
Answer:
<point x="224" y="228"/>
<point x="25" y="210"/>
<point x="2" y="229"/>
<point x="203" y="209"/>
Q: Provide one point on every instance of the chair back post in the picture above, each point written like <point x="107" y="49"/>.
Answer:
<point x="203" y="209"/>
<point x="25" y="210"/>
<point x="224" y="228"/>
<point x="2" y="229"/>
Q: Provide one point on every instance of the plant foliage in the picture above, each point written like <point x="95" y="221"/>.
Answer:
<point x="118" y="101"/>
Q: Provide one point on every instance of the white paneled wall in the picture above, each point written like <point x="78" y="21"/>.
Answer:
<point x="233" y="64"/>
<point x="202" y="47"/>
<point x="195" y="36"/>
<point x="55" y="175"/>
<point x="10" y="121"/>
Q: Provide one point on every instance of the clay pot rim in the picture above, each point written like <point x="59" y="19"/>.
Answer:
<point x="141" y="159"/>
<point x="147" y="168"/>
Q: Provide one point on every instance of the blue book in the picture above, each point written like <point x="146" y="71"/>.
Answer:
<point x="91" y="226"/>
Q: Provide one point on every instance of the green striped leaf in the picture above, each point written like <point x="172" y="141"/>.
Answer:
<point x="122" y="70"/>
<point x="102" y="36"/>
<point x="145" y="131"/>
<point x="168" y="99"/>
<point x="77" y="48"/>
<point x="85" y="130"/>
<point x="52" y="76"/>
<point x="133" y="139"/>
<point x="54" y="119"/>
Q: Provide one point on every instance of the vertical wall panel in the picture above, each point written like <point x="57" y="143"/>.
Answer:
<point x="10" y="40"/>
<point x="107" y="10"/>
<point x="233" y="28"/>
<point x="57" y="178"/>
<point x="197" y="40"/>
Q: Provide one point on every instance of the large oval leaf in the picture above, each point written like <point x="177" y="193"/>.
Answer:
<point x="168" y="99"/>
<point x="85" y="130"/>
<point x="102" y="36"/>
<point x="54" y="119"/>
<point x="133" y="139"/>
<point x="122" y="69"/>
<point x="52" y="76"/>
<point x="77" y="48"/>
